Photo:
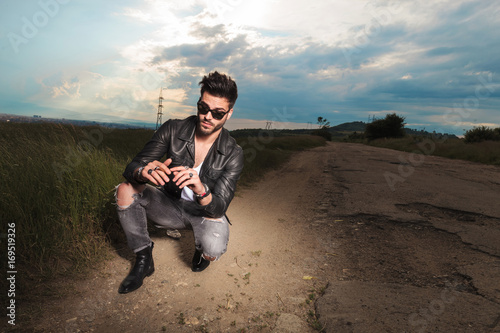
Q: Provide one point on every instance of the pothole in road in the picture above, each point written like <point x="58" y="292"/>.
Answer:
<point x="375" y="248"/>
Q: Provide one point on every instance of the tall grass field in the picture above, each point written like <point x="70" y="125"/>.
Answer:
<point x="58" y="184"/>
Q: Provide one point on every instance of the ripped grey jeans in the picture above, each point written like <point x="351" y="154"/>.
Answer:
<point x="211" y="234"/>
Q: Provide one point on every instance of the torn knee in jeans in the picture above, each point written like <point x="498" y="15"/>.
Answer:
<point x="124" y="198"/>
<point x="212" y="254"/>
<point x="213" y="238"/>
<point x="209" y="258"/>
<point x="122" y="207"/>
<point x="213" y="219"/>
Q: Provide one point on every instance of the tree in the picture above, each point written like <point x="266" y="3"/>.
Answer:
<point x="323" y="122"/>
<point x="323" y="131"/>
<point x="392" y="126"/>
<point x="482" y="133"/>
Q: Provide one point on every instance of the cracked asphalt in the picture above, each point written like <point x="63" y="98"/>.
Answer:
<point x="416" y="245"/>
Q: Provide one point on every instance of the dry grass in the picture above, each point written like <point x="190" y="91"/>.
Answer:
<point x="487" y="152"/>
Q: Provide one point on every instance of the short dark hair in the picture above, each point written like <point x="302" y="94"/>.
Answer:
<point x="220" y="85"/>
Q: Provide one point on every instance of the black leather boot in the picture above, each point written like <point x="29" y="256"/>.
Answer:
<point x="144" y="266"/>
<point x="199" y="263"/>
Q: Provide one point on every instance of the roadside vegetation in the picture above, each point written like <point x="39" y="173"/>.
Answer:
<point x="480" y="144"/>
<point x="392" y="126"/>
<point x="58" y="185"/>
<point x="482" y="133"/>
<point x="486" y="152"/>
<point x="266" y="150"/>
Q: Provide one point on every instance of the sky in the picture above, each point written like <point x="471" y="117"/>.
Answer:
<point x="436" y="63"/>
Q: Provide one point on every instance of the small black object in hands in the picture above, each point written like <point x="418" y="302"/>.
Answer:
<point x="171" y="187"/>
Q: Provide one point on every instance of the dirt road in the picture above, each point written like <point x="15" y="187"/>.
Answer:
<point x="344" y="238"/>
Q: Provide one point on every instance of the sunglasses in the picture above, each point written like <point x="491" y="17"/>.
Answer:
<point x="203" y="108"/>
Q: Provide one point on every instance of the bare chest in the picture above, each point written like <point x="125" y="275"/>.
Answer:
<point x="200" y="152"/>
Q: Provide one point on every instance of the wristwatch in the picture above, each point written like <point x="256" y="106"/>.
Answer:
<point x="203" y="195"/>
<point x="138" y="175"/>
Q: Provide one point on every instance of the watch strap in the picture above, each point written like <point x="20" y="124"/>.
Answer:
<point x="138" y="175"/>
<point x="205" y="194"/>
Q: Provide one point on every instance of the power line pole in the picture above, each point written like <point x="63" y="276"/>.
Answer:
<point x="160" y="110"/>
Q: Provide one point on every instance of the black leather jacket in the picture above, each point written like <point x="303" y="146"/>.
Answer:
<point x="220" y="170"/>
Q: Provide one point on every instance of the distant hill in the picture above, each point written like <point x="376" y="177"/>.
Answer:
<point x="37" y="119"/>
<point x="355" y="126"/>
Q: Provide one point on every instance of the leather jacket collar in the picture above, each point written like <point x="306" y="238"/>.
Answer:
<point x="187" y="134"/>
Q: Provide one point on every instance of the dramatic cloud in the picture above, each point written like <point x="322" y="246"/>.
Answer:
<point x="433" y="62"/>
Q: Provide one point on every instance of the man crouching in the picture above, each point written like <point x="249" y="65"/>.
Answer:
<point x="192" y="189"/>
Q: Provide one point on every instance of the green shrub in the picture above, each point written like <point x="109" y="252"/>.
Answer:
<point x="392" y="126"/>
<point x="482" y="133"/>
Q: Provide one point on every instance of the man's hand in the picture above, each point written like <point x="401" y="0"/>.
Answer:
<point x="157" y="172"/>
<point x="185" y="176"/>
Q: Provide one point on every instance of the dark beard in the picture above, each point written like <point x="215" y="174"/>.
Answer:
<point x="205" y="131"/>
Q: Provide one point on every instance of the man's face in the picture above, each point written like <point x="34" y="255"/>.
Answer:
<point x="207" y="124"/>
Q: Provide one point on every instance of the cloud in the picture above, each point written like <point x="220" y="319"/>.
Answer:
<point x="339" y="59"/>
<point x="319" y="59"/>
<point x="201" y="31"/>
<point x="204" y="55"/>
